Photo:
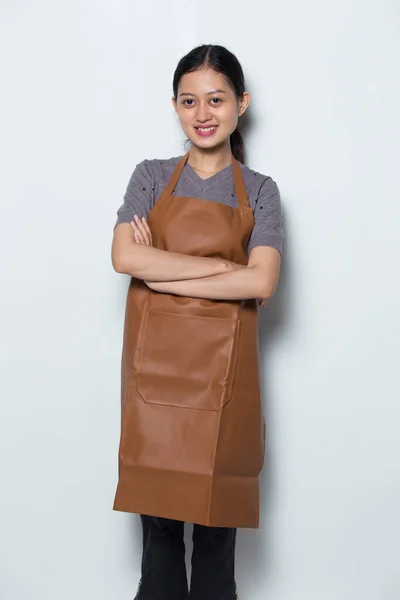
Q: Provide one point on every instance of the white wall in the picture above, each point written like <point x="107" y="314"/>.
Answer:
<point x="86" y="88"/>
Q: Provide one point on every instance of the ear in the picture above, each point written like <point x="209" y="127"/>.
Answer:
<point x="174" y="102"/>
<point x="244" y="102"/>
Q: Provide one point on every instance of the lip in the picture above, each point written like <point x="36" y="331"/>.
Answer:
<point x="205" y="133"/>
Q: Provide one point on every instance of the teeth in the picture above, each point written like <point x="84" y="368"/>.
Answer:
<point x="206" y="128"/>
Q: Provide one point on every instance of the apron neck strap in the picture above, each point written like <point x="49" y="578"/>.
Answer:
<point x="240" y="188"/>
<point x="169" y="188"/>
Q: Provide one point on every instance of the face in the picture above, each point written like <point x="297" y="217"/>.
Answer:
<point x="205" y="100"/>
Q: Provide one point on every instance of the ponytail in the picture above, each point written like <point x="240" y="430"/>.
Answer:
<point x="237" y="146"/>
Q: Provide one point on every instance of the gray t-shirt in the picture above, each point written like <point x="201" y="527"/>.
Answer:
<point x="150" y="177"/>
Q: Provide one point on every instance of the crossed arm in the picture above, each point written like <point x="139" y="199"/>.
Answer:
<point x="199" y="277"/>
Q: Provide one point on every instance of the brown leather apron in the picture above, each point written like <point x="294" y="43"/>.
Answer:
<point x="193" y="434"/>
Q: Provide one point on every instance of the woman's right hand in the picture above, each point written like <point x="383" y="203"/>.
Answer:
<point x="232" y="266"/>
<point x="262" y="302"/>
<point x="143" y="235"/>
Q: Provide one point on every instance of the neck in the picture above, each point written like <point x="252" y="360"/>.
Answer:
<point x="209" y="160"/>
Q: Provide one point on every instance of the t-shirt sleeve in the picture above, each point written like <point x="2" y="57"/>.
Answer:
<point x="268" y="221"/>
<point x="139" y="196"/>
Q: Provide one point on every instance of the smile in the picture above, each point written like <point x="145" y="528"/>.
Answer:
<point x="206" y="131"/>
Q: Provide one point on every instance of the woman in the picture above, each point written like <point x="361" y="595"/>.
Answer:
<point x="201" y="236"/>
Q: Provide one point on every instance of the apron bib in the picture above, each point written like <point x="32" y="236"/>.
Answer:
<point x="192" y="432"/>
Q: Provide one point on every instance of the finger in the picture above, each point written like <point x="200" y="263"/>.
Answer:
<point x="146" y="226"/>
<point x="133" y="225"/>
<point x="136" y="233"/>
<point x="139" y="230"/>
<point x="142" y="230"/>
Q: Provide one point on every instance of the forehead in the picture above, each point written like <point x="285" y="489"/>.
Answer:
<point x="202" y="82"/>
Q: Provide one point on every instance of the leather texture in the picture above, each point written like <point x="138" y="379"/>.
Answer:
<point x="192" y="431"/>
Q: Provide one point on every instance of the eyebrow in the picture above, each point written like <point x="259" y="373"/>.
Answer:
<point x="208" y="93"/>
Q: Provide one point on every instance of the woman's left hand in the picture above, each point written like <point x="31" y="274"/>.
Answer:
<point x="143" y="235"/>
<point x="141" y="231"/>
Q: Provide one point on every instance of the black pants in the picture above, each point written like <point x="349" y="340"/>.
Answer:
<point x="163" y="562"/>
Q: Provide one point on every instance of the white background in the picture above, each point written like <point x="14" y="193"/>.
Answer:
<point x="86" y="95"/>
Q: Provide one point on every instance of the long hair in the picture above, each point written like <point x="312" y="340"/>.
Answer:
<point x="221" y="61"/>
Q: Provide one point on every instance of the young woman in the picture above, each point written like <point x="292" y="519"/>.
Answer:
<point x="201" y="237"/>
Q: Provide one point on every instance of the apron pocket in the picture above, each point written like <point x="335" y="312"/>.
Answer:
<point x="188" y="361"/>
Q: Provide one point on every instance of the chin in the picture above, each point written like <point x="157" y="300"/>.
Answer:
<point x="209" y="143"/>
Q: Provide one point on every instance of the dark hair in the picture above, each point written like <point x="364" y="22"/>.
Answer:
<point x="221" y="61"/>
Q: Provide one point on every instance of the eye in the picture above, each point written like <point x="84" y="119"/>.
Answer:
<point x="218" y="101"/>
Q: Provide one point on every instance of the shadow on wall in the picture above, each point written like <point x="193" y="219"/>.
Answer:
<point x="254" y="559"/>
<point x="245" y="125"/>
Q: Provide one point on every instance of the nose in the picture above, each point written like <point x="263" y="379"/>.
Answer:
<point x="203" y="113"/>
